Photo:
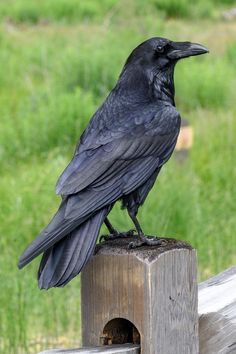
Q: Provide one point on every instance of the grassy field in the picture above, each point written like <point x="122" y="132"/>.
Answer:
<point x="58" y="60"/>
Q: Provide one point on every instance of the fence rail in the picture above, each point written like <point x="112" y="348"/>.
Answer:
<point x="113" y="349"/>
<point x="217" y="313"/>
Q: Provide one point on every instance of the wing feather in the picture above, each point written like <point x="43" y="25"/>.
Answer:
<point x="103" y="165"/>
<point x="103" y="145"/>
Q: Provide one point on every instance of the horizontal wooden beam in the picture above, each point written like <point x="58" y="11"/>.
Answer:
<point x="217" y="313"/>
<point x="109" y="349"/>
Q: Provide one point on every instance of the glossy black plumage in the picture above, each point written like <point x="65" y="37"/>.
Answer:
<point x="119" y="156"/>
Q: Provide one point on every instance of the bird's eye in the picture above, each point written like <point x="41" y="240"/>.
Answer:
<point x="160" y="49"/>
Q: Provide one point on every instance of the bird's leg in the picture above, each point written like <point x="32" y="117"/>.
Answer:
<point x="114" y="234"/>
<point x="142" y="239"/>
<point x="109" y="226"/>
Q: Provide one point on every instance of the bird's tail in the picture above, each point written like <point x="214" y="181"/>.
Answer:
<point x="64" y="260"/>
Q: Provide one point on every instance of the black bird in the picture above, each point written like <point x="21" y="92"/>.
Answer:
<point x="119" y="155"/>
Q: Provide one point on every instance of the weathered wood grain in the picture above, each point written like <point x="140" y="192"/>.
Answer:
<point x="155" y="288"/>
<point x="217" y="314"/>
<point x="113" y="349"/>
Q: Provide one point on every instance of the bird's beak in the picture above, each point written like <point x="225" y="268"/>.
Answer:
<point x="181" y="50"/>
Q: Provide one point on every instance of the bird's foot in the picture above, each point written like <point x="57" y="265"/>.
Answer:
<point x="147" y="240"/>
<point x="116" y="234"/>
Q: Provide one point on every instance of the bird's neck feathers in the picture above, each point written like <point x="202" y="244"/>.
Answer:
<point x="133" y="84"/>
<point x="151" y="85"/>
<point x="162" y="85"/>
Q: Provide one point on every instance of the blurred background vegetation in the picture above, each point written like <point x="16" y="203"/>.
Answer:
<point x="58" y="61"/>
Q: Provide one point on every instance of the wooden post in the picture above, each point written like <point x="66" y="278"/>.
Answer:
<point x="146" y="295"/>
<point x="217" y="314"/>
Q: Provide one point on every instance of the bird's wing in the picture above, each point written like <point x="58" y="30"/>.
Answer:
<point x="150" y="142"/>
<point x="105" y="176"/>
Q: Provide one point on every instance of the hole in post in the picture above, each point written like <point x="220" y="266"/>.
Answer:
<point x="120" y="331"/>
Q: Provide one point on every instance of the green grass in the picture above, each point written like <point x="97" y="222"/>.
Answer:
<point x="72" y="11"/>
<point x="58" y="61"/>
<point x="33" y="11"/>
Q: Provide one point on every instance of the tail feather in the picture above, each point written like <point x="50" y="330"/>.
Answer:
<point x="73" y="211"/>
<point x="63" y="261"/>
<point x="59" y="227"/>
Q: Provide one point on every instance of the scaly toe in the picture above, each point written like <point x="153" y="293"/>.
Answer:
<point x="129" y="233"/>
<point x="135" y="244"/>
<point x="155" y="241"/>
<point x="116" y="235"/>
<point x="105" y="238"/>
<point x="147" y="240"/>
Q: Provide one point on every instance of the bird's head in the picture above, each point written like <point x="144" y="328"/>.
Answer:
<point x="149" y="69"/>
<point x="159" y="53"/>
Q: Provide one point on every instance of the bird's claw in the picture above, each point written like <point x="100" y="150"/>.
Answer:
<point x="147" y="240"/>
<point x="117" y="235"/>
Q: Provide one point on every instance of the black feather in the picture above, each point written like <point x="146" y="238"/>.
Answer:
<point x="63" y="261"/>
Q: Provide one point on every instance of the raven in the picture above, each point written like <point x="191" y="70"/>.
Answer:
<point x="118" y="157"/>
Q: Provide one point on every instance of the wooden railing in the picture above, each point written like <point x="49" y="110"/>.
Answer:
<point x="149" y="297"/>
<point x="111" y="349"/>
